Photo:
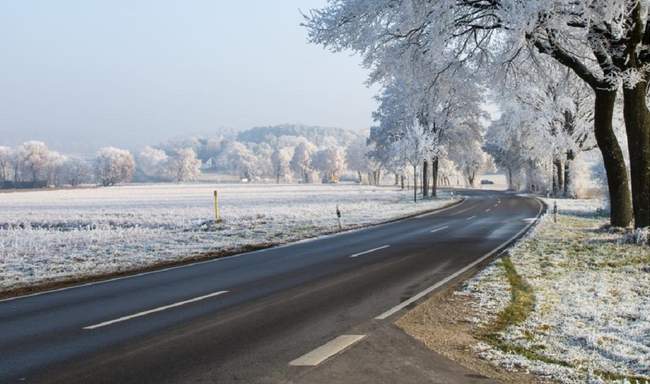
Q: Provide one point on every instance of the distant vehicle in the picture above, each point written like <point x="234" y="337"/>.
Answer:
<point x="484" y="182"/>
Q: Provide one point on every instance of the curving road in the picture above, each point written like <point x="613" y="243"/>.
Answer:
<point x="263" y="316"/>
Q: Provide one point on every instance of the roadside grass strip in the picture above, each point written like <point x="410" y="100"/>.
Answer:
<point x="575" y="304"/>
<point x="522" y="303"/>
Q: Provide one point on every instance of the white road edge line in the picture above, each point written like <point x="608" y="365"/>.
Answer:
<point x="471" y="217"/>
<point x="444" y="281"/>
<point x="439" y="229"/>
<point x="326" y="351"/>
<point x="159" y="309"/>
<point x="369" y="251"/>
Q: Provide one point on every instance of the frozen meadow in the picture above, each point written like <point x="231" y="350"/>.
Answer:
<point x="48" y="236"/>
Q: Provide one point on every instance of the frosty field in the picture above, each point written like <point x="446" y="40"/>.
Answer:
<point x="48" y="236"/>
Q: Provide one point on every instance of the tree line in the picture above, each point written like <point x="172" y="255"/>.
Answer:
<point x="578" y="66"/>
<point x="282" y="158"/>
<point x="33" y="165"/>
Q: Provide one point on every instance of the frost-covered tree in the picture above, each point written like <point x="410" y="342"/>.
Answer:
<point x="604" y="42"/>
<point x="263" y="162"/>
<point x="76" y="171"/>
<point x="113" y="166"/>
<point x="547" y="118"/>
<point x="153" y="164"/>
<point x="356" y="156"/>
<point x="472" y="162"/>
<point x="330" y="162"/>
<point x="422" y="80"/>
<point x="281" y="159"/>
<point x="236" y="158"/>
<point x="209" y="148"/>
<point x="55" y="168"/>
<point x="31" y="160"/>
<point x="183" y="165"/>
<point x="6" y="163"/>
<point x="301" y="161"/>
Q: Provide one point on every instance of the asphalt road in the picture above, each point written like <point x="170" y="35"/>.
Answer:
<point x="243" y="319"/>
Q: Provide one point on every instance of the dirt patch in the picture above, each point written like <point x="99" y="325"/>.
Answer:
<point x="442" y="324"/>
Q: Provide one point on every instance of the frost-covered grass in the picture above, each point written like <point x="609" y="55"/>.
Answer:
<point x="57" y="235"/>
<point x="590" y="317"/>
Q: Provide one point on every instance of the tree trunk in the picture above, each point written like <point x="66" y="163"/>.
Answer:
<point x="402" y="180"/>
<point x="568" y="176"/>
<point x="359" y="176"/>
<point x="619" y="191"/>
<point x="510" y="184"/>
<point x="558" y="170"/>
<point x="470" y="178"/>
<point x="424" y="185"/>
<point x="415" y="183"/>
<point x="637" y="126"/>
<point x="434" y="177"/>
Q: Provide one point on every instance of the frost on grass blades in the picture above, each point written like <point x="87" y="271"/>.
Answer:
<point x="590" y="321"/>
<point x="57" y="235"/>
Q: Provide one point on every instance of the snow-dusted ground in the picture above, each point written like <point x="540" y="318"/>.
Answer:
<point x="57" y="235"/>
<point x="592" y="292"/>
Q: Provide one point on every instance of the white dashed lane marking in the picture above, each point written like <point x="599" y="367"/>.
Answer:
<point x="150" y="311"/>
<point x="369" y="251"/>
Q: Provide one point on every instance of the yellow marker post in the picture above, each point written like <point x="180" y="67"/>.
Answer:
<point x="217" y="214"/>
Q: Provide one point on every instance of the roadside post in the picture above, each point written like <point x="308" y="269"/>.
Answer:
<point x="217" y="213"/>
<point x="338" y="216"/>
<point x="555" y="211"/>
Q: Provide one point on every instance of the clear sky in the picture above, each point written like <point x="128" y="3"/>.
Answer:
<point x="81" y="74"/>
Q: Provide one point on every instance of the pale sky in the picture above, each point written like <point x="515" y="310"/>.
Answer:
<point x="80" y="74"/>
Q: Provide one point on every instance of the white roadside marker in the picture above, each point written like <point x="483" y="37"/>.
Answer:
<point x="159" y="309"/>
<point x="471" y="217"/>
<point x="369" y="251"/>
<point x="326" y="351"/>
<point x="449" y="278"/>
<point x="439" y="229"/>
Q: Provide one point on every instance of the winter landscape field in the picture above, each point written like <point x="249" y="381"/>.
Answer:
<point x="50" y="236"/>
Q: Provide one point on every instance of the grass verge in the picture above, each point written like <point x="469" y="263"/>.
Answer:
<point x="522" y="303"/>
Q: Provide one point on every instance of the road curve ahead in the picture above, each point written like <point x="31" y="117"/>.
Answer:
<point x="253" y="317"/>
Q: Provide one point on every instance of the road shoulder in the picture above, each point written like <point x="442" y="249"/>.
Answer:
<point x="442" y="323"/>
<point x="388" y="355"/>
